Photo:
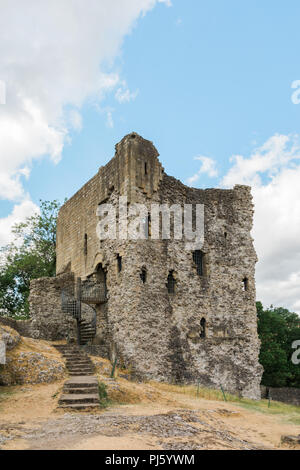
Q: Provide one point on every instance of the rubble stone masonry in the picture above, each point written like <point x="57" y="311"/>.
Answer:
<point x="206" y="330"/>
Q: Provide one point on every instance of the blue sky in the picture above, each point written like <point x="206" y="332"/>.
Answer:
<point x="198" y="78"/>
<point x="213" y="78"/>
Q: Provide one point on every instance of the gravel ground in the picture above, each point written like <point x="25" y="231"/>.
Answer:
<point x="178" y="430"/>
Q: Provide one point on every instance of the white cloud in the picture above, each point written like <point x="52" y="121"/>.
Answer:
<point x="267" y="160"/>
<point x="109" y="119"/>
<point x="19" y="214"/>
<point x="167" y="2"/>
<point x="273" y="171"/>
<point x="124" y="95"/>
<point x="208" y="166"/>
<point x="75" y="120"/>
<point x="54" y="56"/>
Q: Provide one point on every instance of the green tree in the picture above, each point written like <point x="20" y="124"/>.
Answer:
<point x="277" y="329"/>
<point x="30" y="256"/>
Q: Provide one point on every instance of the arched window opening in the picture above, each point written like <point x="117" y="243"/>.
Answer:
<point x="198" y="257"/>
<point x="101" y="277"/>
<point x="143" y="275"/>
<point x="85" y="249"/>
<point x="203" y="328"/>
<point x="171" y="283"/>
<point x="119" y="263"/>
<point x="245" y="284"/>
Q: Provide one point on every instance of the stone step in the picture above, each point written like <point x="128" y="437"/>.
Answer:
<point x="70" y="353"/>
<point x="78" y="360"/>
<point x="80" y="407"/>
<point x="82" y="381"/>
<point x="75" y="374"/>
<point x="74" y="351"/>
<point x="80" y="390"/>
<point x="75" y="356"/>
<point x="66" y="348"/>
<point x="80" y="367"/>
<point x="78" y="399"/>
<point x="78" y="364"/>
<point x="80" y="370"/>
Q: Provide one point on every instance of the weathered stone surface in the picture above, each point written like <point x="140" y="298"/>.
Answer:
<point x="21" y="326"/>
<point x="48" y="321"/>
<point x="9" y="336"/>
<point x="28" y="361"/>
<point x="288" y="395"/>
<point x="155" y="334"/>
<point x="2" y="352"/>
<point x="291" y="440"/>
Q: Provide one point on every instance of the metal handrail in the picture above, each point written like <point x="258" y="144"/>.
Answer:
<point x="93" y="293"/>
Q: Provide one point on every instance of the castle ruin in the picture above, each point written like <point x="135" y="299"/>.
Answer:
<point x="167" y="312"/>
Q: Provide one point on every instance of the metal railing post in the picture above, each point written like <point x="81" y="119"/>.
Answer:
<point x="78" y="306"/>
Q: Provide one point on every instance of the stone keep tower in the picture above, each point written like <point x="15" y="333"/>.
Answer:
<point x="169" y="313"/>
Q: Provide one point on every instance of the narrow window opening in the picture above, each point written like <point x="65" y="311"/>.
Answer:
<point x="148" y="225"/>
<point x="119" y="262"/>
<point x="198" y="260"/>
<point x="143" y="275"/>
<point x="202" y="328"/>
<point x="225" y="235"/>
<point x="146" y="168"/>
<point x="171" y="283"/>
<point x="245" y="284"/>
<point x="101" y="278"/>
<point x="85" y="249"/>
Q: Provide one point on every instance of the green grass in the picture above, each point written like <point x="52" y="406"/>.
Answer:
<point x="288" y="413"/>
<point x="103" y="395"/>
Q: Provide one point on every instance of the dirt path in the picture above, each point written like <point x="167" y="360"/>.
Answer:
<point x="29" y="420"/>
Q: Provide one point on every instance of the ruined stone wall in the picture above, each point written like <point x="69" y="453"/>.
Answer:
<point x="48" y="321"/>
<point x="77" y="221"/>
<point x="158" y="333"/>
<point x="154" y="332"/>
<point x="284" y="394"/>
<point x="228" y="356"/>
<point x="23" y="327"/>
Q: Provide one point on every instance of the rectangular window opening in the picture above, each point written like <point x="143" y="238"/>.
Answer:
<point x="198" y="260"/>
<point x="119" y="262"/>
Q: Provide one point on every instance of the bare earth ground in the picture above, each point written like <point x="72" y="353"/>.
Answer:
<point x="155" y="417"/>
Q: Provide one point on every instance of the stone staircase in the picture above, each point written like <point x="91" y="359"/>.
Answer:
<point x="81" y="391"/>
<point x="87" y="332"/>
